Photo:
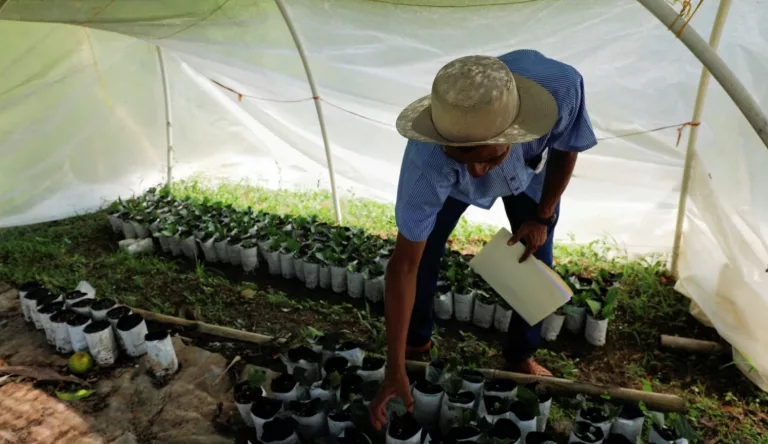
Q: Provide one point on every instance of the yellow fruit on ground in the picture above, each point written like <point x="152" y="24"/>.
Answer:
<point x="80" y="363"/>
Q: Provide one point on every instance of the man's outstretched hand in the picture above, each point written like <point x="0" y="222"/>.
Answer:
<point x="396" y="385"/>
<point x="532" y="234"/>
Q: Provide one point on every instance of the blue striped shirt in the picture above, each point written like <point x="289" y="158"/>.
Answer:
<point x="428" y="176"/>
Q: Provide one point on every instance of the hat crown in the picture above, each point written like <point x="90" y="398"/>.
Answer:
<point x="474" y="99"/>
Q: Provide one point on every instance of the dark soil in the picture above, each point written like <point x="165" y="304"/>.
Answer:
<point x="43" y="300"/>
<point x="83" y="303"/>
<point x="506" y="429"/>
<point x="76" y="319"/>
<point x="103" y="304"/>
<point x="522" y="411"/>
<point x="403" y="427"/>
<point x="129" y="322"/>
<point x="351" y="384"/>
<point x="462" y="398"/>
<point x="303" y="353"/>
<point x="75" y="294"/>
<point x="51" y="307"/>
<point x="587" y="432"/>
<point x="427" y="387"/>
<point x="62" y="316"/>
<point x="495" y="405"/>
<point x="371" y="363"/>
<point x="472" y="376"/>
<point x="29" y="286"/>
<point x="630" y="412"/>
<point x="617" y="439"/>
<point x="594" y="415"/>
<point x="353" y="436"/>
<point x="465" y="432"/>
<point x="266" y="408"/>
<point x="336" y="364"/>
<point x="349" y="345"/>
<point x="118" y="312"/>
<point x="500" y="385"/>
<point x="96" y="326"/>
<point x="283" y="383"/>
<point x="666" y="433"/>
<point x="538" y="437"/>
<point x="370" y="389"/>
<point x="244" y="393"/>
<point x="344" y="416"/>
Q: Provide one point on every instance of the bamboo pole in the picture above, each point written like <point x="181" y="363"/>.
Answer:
<point x="655" y="401"/>
<point x="690" y="150"/>
<point x="677" y="343"/>
<point x="318" y="106"/>
<point x="168" y="120"/>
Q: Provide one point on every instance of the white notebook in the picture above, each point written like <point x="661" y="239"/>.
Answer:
<point x="532" y="289"/>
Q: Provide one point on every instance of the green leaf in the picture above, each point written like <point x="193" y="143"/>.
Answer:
<point x="75" y="396"/>
<point x="257" y="378"/>
<point x="594" y="307"/>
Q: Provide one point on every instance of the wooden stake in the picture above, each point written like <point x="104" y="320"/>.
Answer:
<point x="677" y="343"/>
<point x="655" y="401"/>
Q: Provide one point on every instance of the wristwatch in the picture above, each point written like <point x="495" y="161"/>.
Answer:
<point x="548" y="221"/>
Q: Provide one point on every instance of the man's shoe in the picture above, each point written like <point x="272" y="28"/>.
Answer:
<point x="532" y="367"/>
<point x="417" y="351"/>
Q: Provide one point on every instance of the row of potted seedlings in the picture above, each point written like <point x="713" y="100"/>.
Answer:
<point x="342" y="259"/>
<point x="592" y="306"/>
<point x="328" y="386"/>
<point x="78" y="322"/>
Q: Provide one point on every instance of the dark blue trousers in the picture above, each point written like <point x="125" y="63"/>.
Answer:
<point x="522" y="339"/>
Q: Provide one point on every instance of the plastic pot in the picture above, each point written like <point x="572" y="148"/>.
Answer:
<point x="161" y="355"/>
<point x="23" y="290"/>
<point x="374" y="289"/>
<point x="61" y="332"/>
<point x="76" y="325"/>
<point x="574" y="322"/>
<point x="264" y="409"/>
<point x="100" y="307"/>
<point x="540" y="438"/>
<point x="615" y="438"/>
<point x="506" y="429"/>
<point x="665" y="435"/>
<point x="629" y="423"/>
<point x="311" y="418"/>
<point x="273" y="262"/>
<point x="551" y="326"/>
<point x="463" y="305"/>
<point x="165" y="243"/>
<point x="83" y="306"/>
<point x="339" y="422"/>
<point x="596" y="331"/>
<point x="355" y="284"/>
<point x="101" y="342"/>
<point x="322" y="390"/>
<point x="338" y="279"/>
<point x="174" y="243"/>
<point x="403" y="430"/>
<point x="115" y="222"/>
<point x="40" y="302"/>
<point x="444" y="306"/>
<point x="483" y="314"/>
<point x="298" y="267"/>
<point x="132" y="329"/>
<point x="305" y="358"/>
<point x="141" y="230"/>
<point x="493" y="409"/>
<point x="249" y="258"/>
<point x="140" y="247"/>
<point x="324" y="277"/>
<point x="503" y="388"/>
<point x="286" y="266"/>
<point x="545" y="405"/>
<point x="189" y="247"/>
<point x="372" y="369"/>
<point x="352" y="352"/>
<point x="45" y="312"/>
<point x="453" y="408"/>
<point x="584" y="432"/>
<point x="128" y="231"/>
<point x="595" y="417"/>
<point x="502" y="316"/>
<point x="351" y="386"/>
<point x="337" y="364"/>
<point x="285" y="388"/>
<point x="311" y="275"/>
<point x="222" y="251"/>
<point x="113" y="316"/>
<point x="435" y="372"/>
<point x="209" y="250"/>
<point x="523" y="419"/>
<point x="279" y="431"/>
<point x="234" y="252"/>
<point x="472" y="381"/>
<point x="427" y="398"/>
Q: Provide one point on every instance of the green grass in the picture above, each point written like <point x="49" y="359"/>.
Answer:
<point x="62" y="253"/>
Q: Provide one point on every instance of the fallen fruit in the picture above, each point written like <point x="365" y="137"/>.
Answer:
<point x="80" y="363"/>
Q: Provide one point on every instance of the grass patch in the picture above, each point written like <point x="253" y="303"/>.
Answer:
<point x="724" y="406"/>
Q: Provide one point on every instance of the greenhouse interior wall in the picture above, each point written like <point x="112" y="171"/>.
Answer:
<point x="82" y="117"/>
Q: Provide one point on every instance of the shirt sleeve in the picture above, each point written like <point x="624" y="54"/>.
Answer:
<point x="426" y="180"/>
<point x="574" y="132"/>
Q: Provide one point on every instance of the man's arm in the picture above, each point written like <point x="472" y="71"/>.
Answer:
<point x="559" y="170"/>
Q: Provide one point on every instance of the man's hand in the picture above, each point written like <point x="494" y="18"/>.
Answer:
<point x="532" y="234"/>
<point x="395" y="385"/>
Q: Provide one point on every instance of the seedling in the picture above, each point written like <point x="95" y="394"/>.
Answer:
<point x="605" y="309"/>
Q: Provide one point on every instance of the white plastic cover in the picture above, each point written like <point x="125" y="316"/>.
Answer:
<point x="82" y="118"/>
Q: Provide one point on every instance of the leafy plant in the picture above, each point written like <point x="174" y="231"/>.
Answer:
<point x="257" y="378"/>
<point x="605" y="309"/>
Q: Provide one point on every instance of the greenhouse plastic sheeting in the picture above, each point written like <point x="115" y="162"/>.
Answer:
<point x="82" y="120"/>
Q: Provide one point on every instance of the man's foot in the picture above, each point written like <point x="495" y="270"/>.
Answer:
<point x="532" y="367"/>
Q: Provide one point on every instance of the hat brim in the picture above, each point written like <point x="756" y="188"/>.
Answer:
<point x="535" y="118"/>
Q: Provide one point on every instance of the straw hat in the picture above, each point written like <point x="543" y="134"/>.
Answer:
<point x="476" y="100"/>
